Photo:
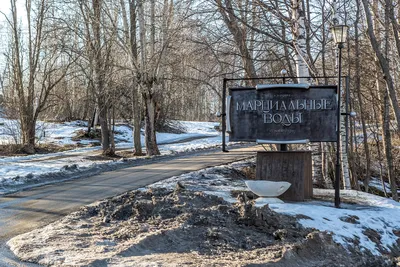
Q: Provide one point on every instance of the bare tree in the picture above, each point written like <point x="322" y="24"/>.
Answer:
<point x="357" y="78"/>
<point x="35" y="76"/>
<point x="383" y="62"/>
<point x="100" y="35"/>
<point x="131" y="48"/>
<point x="239" y="35"/>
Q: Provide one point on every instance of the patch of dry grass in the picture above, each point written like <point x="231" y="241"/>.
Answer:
<point x="18" y="149"/>
<point x="83" y="134"/>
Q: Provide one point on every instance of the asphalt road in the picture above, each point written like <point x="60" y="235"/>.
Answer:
<point x="24" y="211"/>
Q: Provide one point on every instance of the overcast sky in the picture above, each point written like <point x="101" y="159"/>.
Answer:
<point x="5" y="7"/>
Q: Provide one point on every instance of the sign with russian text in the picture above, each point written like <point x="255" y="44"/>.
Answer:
<point x="282" y="113"/>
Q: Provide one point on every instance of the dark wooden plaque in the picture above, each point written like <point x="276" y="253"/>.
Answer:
<point x="282" y="114"/>
<point x="294" y="167"/>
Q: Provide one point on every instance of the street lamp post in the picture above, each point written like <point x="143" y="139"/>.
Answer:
<point x="339" y="33"/>
<point x="283" y="147"/>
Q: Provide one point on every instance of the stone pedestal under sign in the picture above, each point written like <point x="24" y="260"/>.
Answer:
<point x="294" y="167"/>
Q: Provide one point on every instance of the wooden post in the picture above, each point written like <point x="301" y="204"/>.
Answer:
<point x="291" y="166"/>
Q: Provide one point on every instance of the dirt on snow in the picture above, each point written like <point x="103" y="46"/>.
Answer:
<point x="165" y="227"/>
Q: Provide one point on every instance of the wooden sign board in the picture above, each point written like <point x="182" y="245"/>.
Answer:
<point x="282" y="113"/>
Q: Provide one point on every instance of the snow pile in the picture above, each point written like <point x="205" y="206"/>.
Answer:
<point x="371" y="221"/>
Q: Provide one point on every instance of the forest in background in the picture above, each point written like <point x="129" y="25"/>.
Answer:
<point x="150" y="61"/>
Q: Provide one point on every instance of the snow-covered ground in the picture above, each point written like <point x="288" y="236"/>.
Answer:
<point x="351" y="221"/>
<point x="20" y="170"/>
<point x="63" y="133"/>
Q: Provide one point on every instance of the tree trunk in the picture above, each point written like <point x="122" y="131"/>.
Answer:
<point x="343" y="146"/>
<point x="105" y="132"/>
<point x="387" y="140"/>
<point x="95" y="118"/>
<point x="111" y="124"/>
<point x="149" y="117"/>
<point x="300" y="41"/>
<point x="317" y="169"/>
<point x="239" y="36"/>
<point x="100" y="68"/>
<point x="325" y="167"/>
<point x="142" y="30"/>
<point x="136" y="107"/>
<point x="28" y="129"/>
<point x="136" y="122"/>
<point x="360" y="100"/>
<point x="301" y="56"/>
<point x="377" y="120"/>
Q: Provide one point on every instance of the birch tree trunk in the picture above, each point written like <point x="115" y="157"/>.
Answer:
<point x="343" y="145"/>
<point x="301" y="58"/>
<point x="300" y="41"/>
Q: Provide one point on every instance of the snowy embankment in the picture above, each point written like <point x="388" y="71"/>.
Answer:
<point x="203" y="222"/>
<point x="18" y="172"/>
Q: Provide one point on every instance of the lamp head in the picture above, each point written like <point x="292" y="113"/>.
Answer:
<point x="339" y="33"/>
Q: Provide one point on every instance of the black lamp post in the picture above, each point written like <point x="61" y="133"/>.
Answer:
<point x="339" y="33"/>
<point x="283" y="147"/>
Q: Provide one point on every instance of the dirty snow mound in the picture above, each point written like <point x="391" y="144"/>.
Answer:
<point x="164" y="227"/>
